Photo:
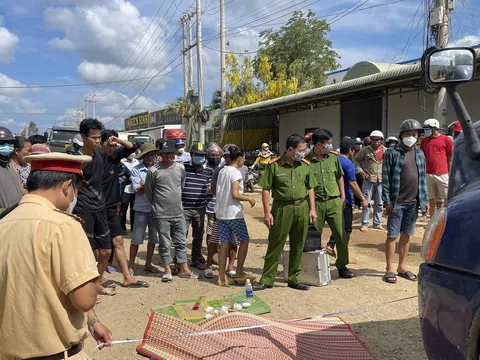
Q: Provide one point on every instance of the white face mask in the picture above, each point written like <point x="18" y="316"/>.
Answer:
<point x="72" y="205"/>
<point x="409" y="141"/>
<point x="181" y="151"/>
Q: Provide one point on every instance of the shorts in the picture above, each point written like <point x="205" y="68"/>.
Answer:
<point x="142" y="220"/>
<point x="402" y="220"/>
<point x="437" y="187"/>
<point x="229" y="230"/>
<point x="114" y="223"/>
<point x="210" y="221"/>
<point x="96" y="228"/>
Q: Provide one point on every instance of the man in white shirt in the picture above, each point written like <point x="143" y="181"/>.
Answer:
<point x="128" y="196"/>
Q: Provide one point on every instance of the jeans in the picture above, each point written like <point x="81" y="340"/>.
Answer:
<point x="196" y="218"/>
<point x="347" y="220"/>
<point x="127" y="199"/>
<point x="402" y="220"/>
<point x="142" y="221"/>
<point x="172" y="230"/>
<point x="372" y="191"/>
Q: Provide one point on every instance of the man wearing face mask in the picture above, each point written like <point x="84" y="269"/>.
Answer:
<point x="404" y="191"/>
<point x="330" y="195"/>
<point x="194" y="200"/>
<point x="292" y="183"/>
<point x="438" y="150"/>
<point x="263" y="158"/>
<point x="54" y="295"/>
<point x="11" y="187"/>
<point x="182" y="156"/>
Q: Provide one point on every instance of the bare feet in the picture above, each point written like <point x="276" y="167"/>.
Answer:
<point x="106" y="291"/>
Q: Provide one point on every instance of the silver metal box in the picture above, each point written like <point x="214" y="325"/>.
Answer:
<point x="315" y="267"/>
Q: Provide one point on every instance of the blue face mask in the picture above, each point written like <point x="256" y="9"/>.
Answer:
<point x="6" y="149"/>
<point x="214" y="161"/>
<point x="198" y="160"/>
<point x="428" y="132"/>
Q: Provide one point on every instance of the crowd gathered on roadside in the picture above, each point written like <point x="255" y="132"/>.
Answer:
<point x="65" y="216"/>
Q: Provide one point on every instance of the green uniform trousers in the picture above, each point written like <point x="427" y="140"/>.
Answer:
<point x="292" y="221"/>
<point x="331" y="211"/>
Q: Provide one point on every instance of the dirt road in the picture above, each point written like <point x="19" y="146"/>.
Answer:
<point x="391" y="332"/>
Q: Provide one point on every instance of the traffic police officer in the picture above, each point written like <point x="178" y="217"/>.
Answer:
<point x="330" y="195"/>
<point x="11" y="189"/>
<point x="292" y="184"/>
<point x="47" y="268"/>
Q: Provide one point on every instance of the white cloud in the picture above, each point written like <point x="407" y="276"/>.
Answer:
<point x="15" y="98"/>
<point x="470" y="40"/>
<point x="8" y="44"/>
<point x="8" y="122"/>
<point x="105" y="33"/>
<point x="20" y="89"/>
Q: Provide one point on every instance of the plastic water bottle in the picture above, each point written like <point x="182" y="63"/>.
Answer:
<point x="249" y="291"/>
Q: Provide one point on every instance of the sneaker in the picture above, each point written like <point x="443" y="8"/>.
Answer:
<point x="364" y="229"/>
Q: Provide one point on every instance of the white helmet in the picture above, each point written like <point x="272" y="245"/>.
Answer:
<point x="431" y="123"/>
<point x="392" y="138"/>
<point x="376" y="133"/>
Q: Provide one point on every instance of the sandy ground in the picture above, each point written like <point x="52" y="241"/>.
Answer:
<point x="391" y="332"/>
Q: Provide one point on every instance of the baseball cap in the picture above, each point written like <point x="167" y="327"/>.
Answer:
<point x="349" y="144"/>
<point x="198" y="148"/>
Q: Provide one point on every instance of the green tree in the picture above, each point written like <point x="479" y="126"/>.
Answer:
<point x="32" y="128"/>
<point x="300" y="49"/>
<point x="190" y="112"/>
<point x="216" y="102"/>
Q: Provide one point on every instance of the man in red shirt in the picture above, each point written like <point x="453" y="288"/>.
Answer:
<point x="438" y="151"/>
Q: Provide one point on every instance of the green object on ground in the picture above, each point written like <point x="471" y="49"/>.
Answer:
<point x="258" y="306"/>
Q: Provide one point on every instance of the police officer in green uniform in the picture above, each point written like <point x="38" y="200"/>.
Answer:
<point x="330" y="195"/>
<point x="292" y="184"/>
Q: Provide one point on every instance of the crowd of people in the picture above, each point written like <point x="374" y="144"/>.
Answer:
<point x="74" y="210"/>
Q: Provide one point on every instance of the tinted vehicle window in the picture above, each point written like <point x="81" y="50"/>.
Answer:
<point x="63" y="135"/>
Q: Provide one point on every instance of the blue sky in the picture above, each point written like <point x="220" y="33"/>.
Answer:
<point x="55" y="42"/>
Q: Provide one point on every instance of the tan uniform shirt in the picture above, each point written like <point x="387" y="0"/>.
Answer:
<point x="44" y="254"/>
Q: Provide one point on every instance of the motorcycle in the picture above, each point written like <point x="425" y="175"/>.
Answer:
<point x="252" y="180"/>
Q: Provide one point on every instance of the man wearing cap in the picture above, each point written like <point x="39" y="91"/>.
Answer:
<point x="455" y="129"/>
<point x="182" y="156"/>
<point x="263" y="158"/>
<point x="348" y="149"/>
<point x="368" y="164"/>
<point x="11" y="188"/>
<point x="292" y="183"/>
<point x="404" y="192"/>
<point x="47" y="269"/>
<point x="163" y="185"/>
<point x="194" y="200"/>
<point x="438" y="150"/>
<point x="143" y="209"/>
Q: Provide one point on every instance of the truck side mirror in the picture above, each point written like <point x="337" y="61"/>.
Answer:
<point x="450" y="66"/>
<point x="45" y="135"/>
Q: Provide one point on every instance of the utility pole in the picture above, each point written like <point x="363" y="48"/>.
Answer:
<point x="94" y="101"/>
<point x="201" y="125"/>
<point x="86" y="105"/>
<point x="184" y="56"/>
<point x="439" y="17"/>
<point x="190" y="55"/>
<point x="223" y="82"/>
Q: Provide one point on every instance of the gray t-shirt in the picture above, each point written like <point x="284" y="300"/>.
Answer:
<point x="10" y="192"/>
<point x="243" y="170"/>
<point x="163" y="187"/>
<point x="408" y="179"/>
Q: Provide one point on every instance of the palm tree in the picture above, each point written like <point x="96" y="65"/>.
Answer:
<point x="191" y="112"/>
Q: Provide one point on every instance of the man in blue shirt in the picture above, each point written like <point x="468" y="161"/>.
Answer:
<point x="348" y="149"/>
<point x="142" y="208"/>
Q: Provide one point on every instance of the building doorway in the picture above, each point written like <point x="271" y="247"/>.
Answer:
<point x="360" y="117"/>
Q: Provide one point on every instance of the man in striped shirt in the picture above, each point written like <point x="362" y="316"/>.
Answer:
<point x="194" y="200"/>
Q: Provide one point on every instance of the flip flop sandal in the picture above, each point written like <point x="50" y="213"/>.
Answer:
<point x="208" y="273"/>
<point x="167" y="278"/>
<point x="191" y="276"/>
<point x="223" y="284"/>
<point x="109" y="284"/>
<point x="111" y="270"/>
<point x="98" y="301"/>
<point x="107" y="291"/>
<point x="138" y="284"/>
<point x="152" y="270"/>
<point x="242" y="280"/>
<point x="390" y="278"/>
<point x="232" y="273"/>
<point x="408" y="275"/>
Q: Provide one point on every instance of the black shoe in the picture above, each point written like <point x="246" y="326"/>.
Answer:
<point x="261" y="286"/>
<point x="343" y="272"/>
<point x="300" y="286"/>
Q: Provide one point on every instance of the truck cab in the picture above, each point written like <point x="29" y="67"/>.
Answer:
<point x="59" y="138"/>
<point x="449" y="277"/>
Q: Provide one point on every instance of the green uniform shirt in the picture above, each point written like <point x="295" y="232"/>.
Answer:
<point x="327" y="171"/>
<point x="286" y="182"/>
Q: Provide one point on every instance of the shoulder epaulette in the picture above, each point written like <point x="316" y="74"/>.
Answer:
<point x="274" y="160"/>
<point x="333" y="152"/>
<point x="305" y="161"/>
<point x="77" y="218"/>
